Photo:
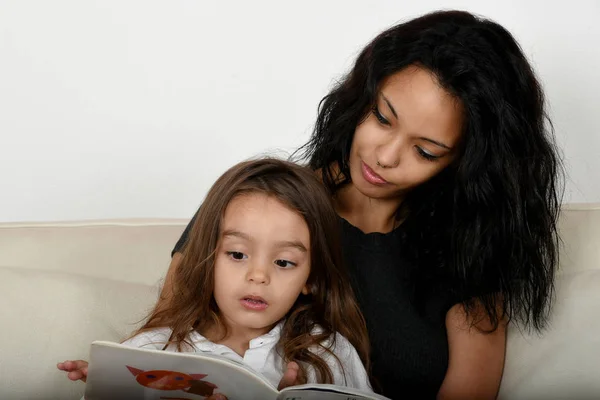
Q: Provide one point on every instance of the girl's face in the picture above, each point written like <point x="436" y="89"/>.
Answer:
<point x="411" y="135"/>
<point x="262" y="263"/>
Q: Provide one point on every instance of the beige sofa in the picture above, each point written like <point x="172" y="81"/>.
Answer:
<point x="64" y="285"/>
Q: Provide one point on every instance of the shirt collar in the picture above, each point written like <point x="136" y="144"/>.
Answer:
<point x="203" y="344"/>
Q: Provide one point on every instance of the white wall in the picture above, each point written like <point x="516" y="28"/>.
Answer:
<point x="122" y="108"/>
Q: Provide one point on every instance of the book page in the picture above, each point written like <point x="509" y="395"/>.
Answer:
<point x="121" y="372"/>
<point x="326" y="392"/>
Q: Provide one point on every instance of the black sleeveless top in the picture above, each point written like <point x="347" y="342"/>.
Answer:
<point x="409" y="346"/>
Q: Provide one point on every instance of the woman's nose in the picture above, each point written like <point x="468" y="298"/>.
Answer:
<point x="388" y="154"/>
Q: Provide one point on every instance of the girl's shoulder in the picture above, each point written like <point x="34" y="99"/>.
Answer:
<point x="336" y="343"/>
<point x="152" y="339"/>
<point x="160" y="339"/>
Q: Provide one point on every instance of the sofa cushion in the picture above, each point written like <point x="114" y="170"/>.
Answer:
<point x="562" y="363"/>
<point x="50" y="316"/>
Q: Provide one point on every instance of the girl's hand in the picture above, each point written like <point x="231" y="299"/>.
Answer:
<point x="76" y="370"/>
<point x="290" y="377"/>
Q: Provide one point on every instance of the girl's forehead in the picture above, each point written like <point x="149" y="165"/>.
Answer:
<point x="262" y="218"/>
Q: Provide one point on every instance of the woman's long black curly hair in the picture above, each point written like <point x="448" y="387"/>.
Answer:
<point x="488" y="222"/>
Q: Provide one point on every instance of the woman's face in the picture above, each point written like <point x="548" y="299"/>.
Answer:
<point x="411" y="135"/>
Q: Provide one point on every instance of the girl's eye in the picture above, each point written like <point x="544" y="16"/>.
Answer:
<point x="285" y="263"/>
<point x="236" y="255"/>
<point x="426" y="155"/>
<point x="379" y="116"/>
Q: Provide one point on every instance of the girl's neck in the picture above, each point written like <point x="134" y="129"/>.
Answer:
<point x="235" y="337"/>
<point x="365" y="213"/>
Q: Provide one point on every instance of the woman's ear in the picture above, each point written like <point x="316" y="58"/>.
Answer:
<point x="306" y="289"/>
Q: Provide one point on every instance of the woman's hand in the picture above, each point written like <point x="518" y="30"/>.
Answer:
<point x="76" y="370"/>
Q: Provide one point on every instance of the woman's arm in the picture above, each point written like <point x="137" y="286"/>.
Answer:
<point x="167" y="289"/>
<point x="476" y="358"/>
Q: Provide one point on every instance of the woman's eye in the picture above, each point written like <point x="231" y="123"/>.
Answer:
<point x="379" y="116"/>
<point x="236" y="255"/>
<point x="426" y="155"/>
<point x="285" y="263"/>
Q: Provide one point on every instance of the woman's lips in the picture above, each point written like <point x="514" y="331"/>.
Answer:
<point x="370" y="175"/>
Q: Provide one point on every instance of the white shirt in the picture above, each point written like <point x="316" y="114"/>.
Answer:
<point x="263" y="357"/>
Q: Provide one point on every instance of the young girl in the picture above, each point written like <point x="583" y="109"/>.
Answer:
<point x="261" y="281"/>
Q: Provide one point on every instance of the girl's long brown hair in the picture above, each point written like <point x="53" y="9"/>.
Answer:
<point x="331" y="305"/>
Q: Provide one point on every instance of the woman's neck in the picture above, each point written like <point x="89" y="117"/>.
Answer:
<point x="365" y="213"/>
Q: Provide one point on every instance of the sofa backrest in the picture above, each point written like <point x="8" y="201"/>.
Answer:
<point x="66" y="284"/>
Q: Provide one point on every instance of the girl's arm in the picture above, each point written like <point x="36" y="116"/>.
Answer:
<point x="78" y="369"/>
<point x="476" y="358"/>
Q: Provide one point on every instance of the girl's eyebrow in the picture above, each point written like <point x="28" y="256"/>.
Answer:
<point x="281" y="244"/>
<point x="292" y="243"/>
<point x="238" y="234"/>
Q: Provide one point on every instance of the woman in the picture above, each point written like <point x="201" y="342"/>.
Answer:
<point x="442" y="168"/>
<point x="437" y="155"/>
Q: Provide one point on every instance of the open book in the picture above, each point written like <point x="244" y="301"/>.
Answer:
<point x="120" y="372"/>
